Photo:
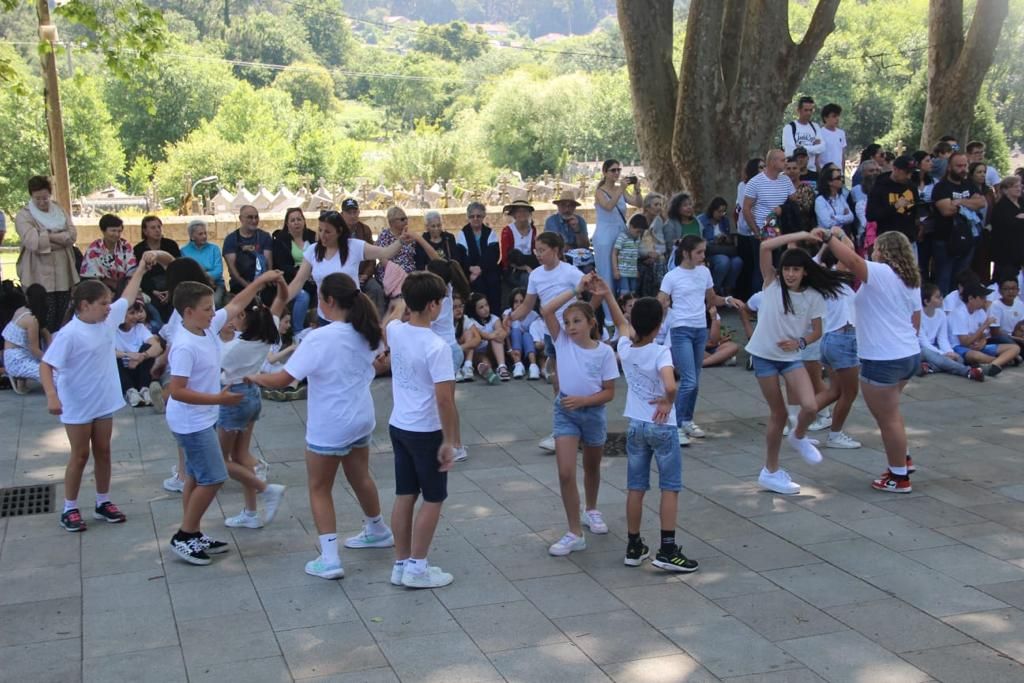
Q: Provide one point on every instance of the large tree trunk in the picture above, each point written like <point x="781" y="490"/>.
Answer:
<point x="740" y="69"/>
<point x="957" y="65"/>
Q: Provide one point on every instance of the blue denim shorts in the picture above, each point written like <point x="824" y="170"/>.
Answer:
<point x="887" y="373"/>
<point x="237" y="417"/>
<point x="987" y="349"/>
<point x="204" y="460"/>
<point x="839" y="350"/>
<point x="646" y="440"/>
<point x="589" y="424"/>
<point x="771" y="368"/>
<point x="338" y="450"/>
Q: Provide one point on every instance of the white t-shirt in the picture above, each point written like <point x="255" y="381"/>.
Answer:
<point x="806" y="134"/>
<point x="168" y="331"/>
<point x="741" y="222"/>
<point x="952" y="302"/>
<point x="835" y="148"/>
<point x="444" y="324"/>
<point x="196" y="357"/>
<point x="488" y="327"/>
<point x="240" y="358"/>
<point x="82" y="354"/>
<point x="754" y="302"/>
<point x="132" y="340"/>
<point x="338" y="364"/>
<point x="642" y="367"/>
<point x="688" y="288"/>
<point x="1007" y="317"/>
<point x="524" y="243"/>
<point x="934" y="332"/>
<point x="321" y="269"/>
<point x="839" y="311"/>
<point x="774" y="324"/>
<point x="962" y="322"/>
<point x="582" y="372"/>
<point x="884" y="307"/>
<point x="419" y="360"/>
<point x="547" y="284"/>
<point x="538" y="329"/>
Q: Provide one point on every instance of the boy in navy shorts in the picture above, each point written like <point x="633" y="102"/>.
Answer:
<point x="424" y="426"/>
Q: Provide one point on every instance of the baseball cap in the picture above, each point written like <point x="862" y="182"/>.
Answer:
<point x="905" y="163"/>
<point x="349" y="204"/>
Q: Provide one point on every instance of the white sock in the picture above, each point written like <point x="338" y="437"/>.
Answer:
<point x="102" y="498"/>
<point x="416" y="566"/>
<point x="823" y="413"/>
<point x="329" y="547"/>
<point x="70" y="505"/>
<point x="249" y="513"/>
<point x="794" y="413"/>
<point x="901" y="471"/>
<point x="376" y="525"/>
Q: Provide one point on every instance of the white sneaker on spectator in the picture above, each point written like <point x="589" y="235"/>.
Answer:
<point x="547" y="444"/>
<point x="567" y="544"/>
<point x="133" y="397"/>
<point x="156" y="396"/>
<point x="460" y="453"/>
<point x="146" y="399"/>
<point x="534" y="372"/>
<point x="693" y="430"/>
<point x="467" y="371"/>
<point x="518" y="371"/>
<point x="778" y="482"/>
<point x="840" y="440"/>
<point x="594" y="520"/>
<point x="684" y="440"/>
<point x="459" y="377"/>
<point x="807" y="450"/>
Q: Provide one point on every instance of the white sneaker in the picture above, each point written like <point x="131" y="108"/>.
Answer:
<point x="262" y="469"/>
<point x="459" y="377"/>
<point x="366" y="539"/>
<point x="567" y="544"/>
<point x="534" y="372"/>
<point x="684" y="440"/>
<point x="467" y="371"/>
<point x="821" y="423"/>
<point x="244" y="521"/>
<point x="460" y="453"/>
<point x="518" y="371"/>
<point x="778" y="482"/>
<point x="156" y="396"/>
<point x="396" y="573"/>
<point x="271" y="499"/>
<point x="325" y="570"/>
<point x="693" y="430"/>
<point x="173" y="483"/>
<point x="594" y="520"/>
<point x="547" y="444"/>
<point x="432" y="578"/>
<point x="133" y="397"/>
<point x="731" y="363"/>
<point x="840" y="440"/>
<point x="144" y="394"/>
<point x="807" y="450"/>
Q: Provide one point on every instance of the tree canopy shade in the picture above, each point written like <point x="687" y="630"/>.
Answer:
<point x="740" y="70"/>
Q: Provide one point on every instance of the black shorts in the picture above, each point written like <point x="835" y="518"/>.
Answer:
<point x="416" y="466"/>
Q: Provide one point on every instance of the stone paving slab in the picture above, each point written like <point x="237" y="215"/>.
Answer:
<point x="839" y="583"/>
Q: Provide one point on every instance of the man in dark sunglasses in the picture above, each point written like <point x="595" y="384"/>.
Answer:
<point x="892" y="201"/>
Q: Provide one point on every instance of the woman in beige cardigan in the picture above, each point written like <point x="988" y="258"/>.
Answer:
<point x="47" y="253"/>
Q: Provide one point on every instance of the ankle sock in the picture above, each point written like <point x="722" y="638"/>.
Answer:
<point x="102" y="498"/>
<point x="186" y="535"/>
<point x="633" y="538"/>
<point x="899" y="471"/>
<point x="70" y="505"/>
<point x="329" y="547"/>
<point x="376" y="526"/>
<point x="249" y="513"/>
<point x="416" y="566"/>
<point x="668" y="540"/>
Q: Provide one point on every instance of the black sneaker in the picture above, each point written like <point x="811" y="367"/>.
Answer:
<point x="190" y="549"/>
<point x="636" y="553"/>
<point x="993" y="370"/>
<point x="109" y="512"/>
<point x="72" y="521"/>
<point x="674" y="561"/>
<point x="212" y="546"/>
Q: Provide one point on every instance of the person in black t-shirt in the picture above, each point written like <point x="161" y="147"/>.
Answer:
<point x="951" y="193"/>
<point x="892" y="203"/>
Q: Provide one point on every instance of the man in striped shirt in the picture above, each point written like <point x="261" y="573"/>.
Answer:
<point x="767" y="192"/>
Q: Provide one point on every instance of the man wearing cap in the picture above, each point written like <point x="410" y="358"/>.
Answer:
<point x="516" y="243"/>
<point x="370" y="286"/>
<point x="892" y="202"/>
<point x="565" y="222"/>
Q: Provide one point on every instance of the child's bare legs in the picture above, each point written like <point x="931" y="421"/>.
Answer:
<point x="724" y="352"/>
<point x="814" y="370"/>
<point x="321" y="471"/>
<point x="516" y="354"/>
<point x="196" y="499"/>
<point x="97" y="433"/>
<point x="357" y="472"/>
<point x="424" y="526"/>
<point x="884" y="404"/>
<point x="842" y="389"/>
<point x="565" y="459"/>
<point x="498" y="351"/>
<point x="800" y="389"/>
<point x="776" y="420"/>
<point x="635" y="510"/>
<point x="591" y="474"/>
<point x="401" y="525"/>
<point x="234" y="446"/>
<point x="1005" y="354"/>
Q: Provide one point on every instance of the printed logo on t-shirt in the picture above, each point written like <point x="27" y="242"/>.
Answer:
<point x="641" y="384"/>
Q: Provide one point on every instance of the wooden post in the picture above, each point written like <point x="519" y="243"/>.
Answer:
<point x="54" y="116"/>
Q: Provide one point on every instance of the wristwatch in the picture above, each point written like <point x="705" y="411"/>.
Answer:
<point x="802" y="343"/>
<point x="828" y="236"/>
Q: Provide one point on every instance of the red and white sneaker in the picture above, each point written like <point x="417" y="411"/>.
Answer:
<point x="109" y="512"/>
<point x="890" y="483"/>
<point x="910" y="465"/>
<point x="72" y="521"/>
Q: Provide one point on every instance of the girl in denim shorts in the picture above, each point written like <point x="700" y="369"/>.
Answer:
<point x="586" y="374"/>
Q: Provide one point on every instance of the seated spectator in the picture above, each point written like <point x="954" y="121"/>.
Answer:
<point x="25" y="336"/>
<point x="520" y="342"/>
<point x="136" y="348"/>
<point x="110" y="258"/>
<point x="398" y="223"/>
<point x="970" y="325"/>
<point x="681" y="220"/>
<point x="248" y="250"/>
<point x="467" y="337"/>
<point x="479" y="253"/>
<point x="490" y="352"/>
<point x="798" y="210"/>
<point x="517" y="242"/>
<point x="832" y="205"/>
<point x="440" y="239"/>
<point x="154" y="282"/>
<point x="288" y="244"/>
<point x="1008" y="309"/>
<point x="937" y="355"/>
<point x="207" y="254"/>
<point x="720" y="349"/>
<point x="651" y="265"/>
<point x="567" y="223"/>
<point x="722" y="254"/>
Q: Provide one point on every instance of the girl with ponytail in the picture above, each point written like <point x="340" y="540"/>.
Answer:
<point x="337" y="361"/>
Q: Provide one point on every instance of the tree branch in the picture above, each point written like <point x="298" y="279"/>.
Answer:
<point x="733" y="25"/>
<point x="823" y="23"/>
<point x="945" y="34"/>
<point x="979" y="47"/>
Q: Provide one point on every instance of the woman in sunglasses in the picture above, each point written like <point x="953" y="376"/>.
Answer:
<point x="831" y="207"/>
<point x="611" y="199"/>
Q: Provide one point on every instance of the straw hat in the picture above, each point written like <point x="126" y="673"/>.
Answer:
<point x="517" y="204"/>
<point x="568" y="196"/>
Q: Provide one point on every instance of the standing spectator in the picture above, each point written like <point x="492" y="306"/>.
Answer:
<point x="110" y="258"/>
<point x="872" y="152"/>
<point x="610" y="204"/>
<point x="47" y="255"/>
<point x="1008" y="227"/>
<point x="798" y="211"/>
<point x="479" y="253"/>
<point x="766" y="192"/>
<point x="803" y="160"/>
<point x="567" y="223"/>
<point x="893" y="201"/>
<point x="398" y="223"/>
<point x="747" y="242"/>
<point x="651" y="266"/>
<point x="248" y="250"/>
<point x="722" y="256"/>
<point x="625" y="254"/>
<point x="517" y="240"/>
<point x="976" y="155"/>
<point x="833" y="138"/>
<point x="952" y="194"/>
<point x="440" y="239"/>
<point x="803" y="133"/>
<point x="370" y="286"/>
<point x="941" y="153"/>
<point x="868" y="171"/>
<point x="207" y="254"/>
<point x="832" y="207"/>
<point x="981" y="263"/>
<point x="289" y="243"/>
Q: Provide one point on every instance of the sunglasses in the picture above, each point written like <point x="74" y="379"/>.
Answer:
<point x="477" y="215"/>
<point x="836" y="177"/>
<point x="615" y="170"/>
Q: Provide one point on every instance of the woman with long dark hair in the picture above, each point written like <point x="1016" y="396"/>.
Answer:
<point x="289" y="243"/>
<point x="722" y="253"/>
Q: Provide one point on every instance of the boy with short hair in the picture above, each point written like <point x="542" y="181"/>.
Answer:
<point x="650" y="407"/>
<point x="970" y="324"/>
<point x="1008" y="309"/>
<point x="192" y="408"/>
<point x="424" y="426"/>
<point x="625" y="254"/>
<point x="937" y="355"/>
<point x="833" y="138"/>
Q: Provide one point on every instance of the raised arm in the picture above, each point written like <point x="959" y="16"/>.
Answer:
<point x="550" y="311"/>
<point x="600" y="288"/>
<point x="301" y="277"/>
<point x="770" y="245"/>
<point x="372" y="251"/>
<point x="243" y="298"/>
<point x="605" y="199"/>
<point x="523" y="309"/>
<point x="281" y="300"/>
<point x="844" y="252"/>
<point x="131" y="290"/>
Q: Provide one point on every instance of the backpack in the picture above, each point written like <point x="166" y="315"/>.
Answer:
<point x="961" y="237"/>
<point x="792" y="127"/>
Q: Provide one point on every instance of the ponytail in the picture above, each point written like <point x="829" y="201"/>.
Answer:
<point x="362" y="313"/>
<point x="85" y="292"/>
<point x="259" y="324"/>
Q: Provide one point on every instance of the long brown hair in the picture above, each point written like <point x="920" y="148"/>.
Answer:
<point x="362" y="313"/>
<point x="588" y="312"/>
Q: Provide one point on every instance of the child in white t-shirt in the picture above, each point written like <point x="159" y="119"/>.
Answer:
<point x="1008" y="310"/>
<point x="490" y="352"/>
<point x="650" y="407"/>
<point x="936" y="353"/>
<point x="136" y="348"/>
<point x="970" y="325"/>
<point x="720" y="349"/>
<point x="336" y="360"/>
<point x="79" y="375"/>
<point x="520" y="341"/>
<point x="195" y="391"/>
<point x="586" y="382"/>
<point x="466" y="335"/>
<point x="423" y="427"/>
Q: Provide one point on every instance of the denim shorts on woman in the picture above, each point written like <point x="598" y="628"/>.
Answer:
<point x="771" y="368"/>
<point x="338" y="450"/>
<point x="237" y="417"/>
<point x="887" y="373"/>
<point x="204" y="460"/>
<point x="646" y="440"/>
<point x="589" y="424"/>
<point x="839" y="349"/>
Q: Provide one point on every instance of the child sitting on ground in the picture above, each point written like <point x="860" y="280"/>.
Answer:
<point x="937" y="355"/>
<point x="720" y="349"/>
<point x="136" y="348"/>
<point x="969" y="326"/>
<point x="490" y="352"/>
<point x="520" y="342"/>
<point x="1008" y="309"/>
<point x="467" y="336"/>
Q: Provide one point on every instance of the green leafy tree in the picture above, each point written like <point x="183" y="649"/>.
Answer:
<point x="268" y="39"/>
<point x="419" y="92"/>
<point x="307" y="83"/>
<point x="323" y="149"/>
<point x="454" y="42"/>
<point x="95" y="155"/>
<point x="325" y="27"/>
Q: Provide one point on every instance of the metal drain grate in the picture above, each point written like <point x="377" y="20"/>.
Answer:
<point x="20" y="501"/>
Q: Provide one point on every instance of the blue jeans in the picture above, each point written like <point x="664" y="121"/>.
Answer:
<point x="628" y="285"/>
<point x="300" y="307"/>
<point x="644" y="441"/>
<point x="521" y="341"/>
<point x="943" y="364"/>
<point x="725" y="271"/>
<point x="338" y="450"/>
<point x="204" y="461"/>
<point x="765" y="367"/>
<point x="237" y="417"/>
<point x="688" y="357"/>
<point x="947" y="267"/>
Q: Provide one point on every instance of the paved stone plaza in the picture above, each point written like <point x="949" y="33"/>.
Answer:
<point x="841" y="583"/>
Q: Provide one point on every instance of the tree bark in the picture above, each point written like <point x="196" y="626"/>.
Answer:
<point x="957" y="65"/>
